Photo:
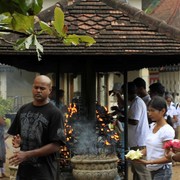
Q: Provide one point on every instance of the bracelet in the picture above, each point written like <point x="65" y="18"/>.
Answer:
<point x="172" y="155"/>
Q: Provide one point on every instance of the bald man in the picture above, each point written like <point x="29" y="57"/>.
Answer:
<point x="39" y="128"/>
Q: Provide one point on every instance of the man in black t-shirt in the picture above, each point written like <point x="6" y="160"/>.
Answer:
<point x="39" y="128"/>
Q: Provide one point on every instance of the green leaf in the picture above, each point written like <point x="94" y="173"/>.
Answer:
<point x="88" y="40"/>
<point x="8" y="6"/>
<point x="6" y="106"/>
<point x="76" y="40"/>
<point x="5" y="21"/>
<point x="22" y="23"/>
<point x="58" y="22"/>
<point x="46" y="28"/>
<point x="26" y="7"/>
<point x="39" y="48"/>
<point x="71" y="39"/>
<point x="31" y="7"/>
<point x="20" y="44"/>
<point x="5" y="18"/>
<point x="24" y="43"/>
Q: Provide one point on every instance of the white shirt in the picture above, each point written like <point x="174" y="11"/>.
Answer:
<point x="146" y="99"/>
<point x="154" y="144"/>
<point x="171" y="111"/>
<point x="137" y="133"/>
<point x="178" y="115"/>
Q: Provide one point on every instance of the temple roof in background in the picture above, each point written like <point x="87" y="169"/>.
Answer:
<point x="167" y="10"/>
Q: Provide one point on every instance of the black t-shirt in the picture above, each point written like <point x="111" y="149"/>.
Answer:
<point x="38" y="126"/>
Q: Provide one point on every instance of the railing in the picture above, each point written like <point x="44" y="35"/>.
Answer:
<point x="18" y="101"/>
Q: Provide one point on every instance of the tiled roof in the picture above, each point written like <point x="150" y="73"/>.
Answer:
<point x="119" y="29"/>
<point x="169" y="11"/>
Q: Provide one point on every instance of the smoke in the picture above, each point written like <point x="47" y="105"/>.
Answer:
<point x="85" y="138"/>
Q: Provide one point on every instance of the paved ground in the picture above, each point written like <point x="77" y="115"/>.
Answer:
<point x="176" y="167"/>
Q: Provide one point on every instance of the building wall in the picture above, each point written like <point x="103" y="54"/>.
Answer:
<point x="19" y="86"/>
<point x="48" y="3"/>
<point x="135" y="3"/>
<point x="19" y="83"/>
<point x="3" y="87"/>
<point x="171" y="80"/>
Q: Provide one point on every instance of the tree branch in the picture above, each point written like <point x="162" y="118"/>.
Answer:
<point x="5" y="40"/>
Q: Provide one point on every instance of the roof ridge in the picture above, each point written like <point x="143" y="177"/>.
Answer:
<point x="137" y="14"/>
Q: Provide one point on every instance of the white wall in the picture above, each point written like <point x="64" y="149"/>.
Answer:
<point x="3" y="87"/>
<point x="19" y="85"/>
<point x="136" y="3"/>
<point x="171" y="80"/>
<point x="48" y="3"/>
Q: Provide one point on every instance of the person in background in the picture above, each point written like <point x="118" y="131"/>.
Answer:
<point x="141" y="89"/>
<point x="142" y="92"/>
<point x="62" y="106"/>
<point x="39" y="125"/>
<point x="60" y="95"/>
<point x="2" y="148"/>
<point x="52" y="96"/>
<point x="171" y="112"/>
<point x="178" y="121"/>
<point x="160" y="132"/>
<point x="156" y="89"/>
<point x="138" y="128"/>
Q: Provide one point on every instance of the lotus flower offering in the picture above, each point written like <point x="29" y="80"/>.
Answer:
<point x="175" y="144"/>
<point x="132" y="154"/>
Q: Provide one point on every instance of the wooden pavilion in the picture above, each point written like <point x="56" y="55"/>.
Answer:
<point x="126" y="39"/>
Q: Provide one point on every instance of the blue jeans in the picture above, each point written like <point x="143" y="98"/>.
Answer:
<point x="164" y="173"/>
<point x="140" y="172"/>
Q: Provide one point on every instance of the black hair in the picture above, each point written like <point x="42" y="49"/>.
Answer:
<point x="168" y="95"/>
<point x="131" y="88"/>
<point x="140" y="82"/>
<point x="158" y="103"/>
<point x="157" y="88"/>
<point x="61" y="93"/>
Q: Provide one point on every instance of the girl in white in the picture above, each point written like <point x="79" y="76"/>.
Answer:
<point x="160" y="132"/>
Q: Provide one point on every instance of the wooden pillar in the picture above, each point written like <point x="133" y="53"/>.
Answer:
<point x="88" y="91"/>
<point x="126" y="120"/>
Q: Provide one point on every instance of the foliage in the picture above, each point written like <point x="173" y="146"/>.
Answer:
<point x="26" y="7"/>
<point x="151" y="7"/>
<point x="18" y="17"/>
<point x="6" y="106"/>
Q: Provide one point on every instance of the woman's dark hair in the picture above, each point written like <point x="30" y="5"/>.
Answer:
<point x="159" y="103"/>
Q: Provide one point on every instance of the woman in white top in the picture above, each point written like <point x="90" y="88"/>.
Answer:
<point x="160" y="132"/>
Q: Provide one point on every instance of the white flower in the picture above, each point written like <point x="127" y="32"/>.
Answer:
<point x="132" y="154"/>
